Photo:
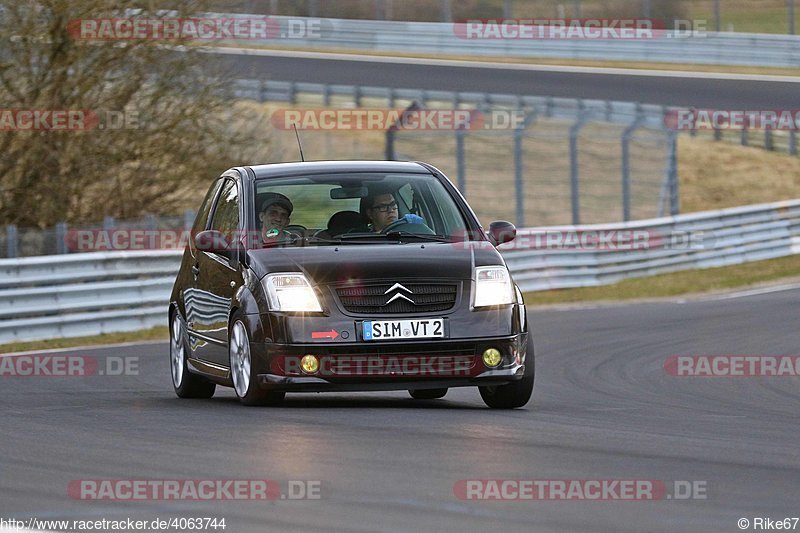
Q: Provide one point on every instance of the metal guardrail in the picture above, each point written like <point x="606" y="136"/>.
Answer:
<point x="706" y="48"/>
<point x="86" y="294"/>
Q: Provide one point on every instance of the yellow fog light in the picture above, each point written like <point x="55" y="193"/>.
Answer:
<point x="492" y="357"/>
<point x="309" y="364"/>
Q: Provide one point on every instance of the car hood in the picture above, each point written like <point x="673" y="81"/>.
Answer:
<point x="338" y="264"/>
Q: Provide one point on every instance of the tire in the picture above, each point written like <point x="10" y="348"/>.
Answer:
<point x="427" y="394"/>
<point x="515" y="394"/>
<point x="242" y="375"/>
<point x="185" y="383"/>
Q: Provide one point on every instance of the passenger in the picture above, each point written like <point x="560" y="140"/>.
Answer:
<point x="275" y="213"/>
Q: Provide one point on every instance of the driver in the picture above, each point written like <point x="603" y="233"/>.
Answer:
<point x="275" y="213"/>
<point x="381" y="211"/>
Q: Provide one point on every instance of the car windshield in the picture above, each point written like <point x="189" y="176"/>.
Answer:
<point x="355" y="208"/>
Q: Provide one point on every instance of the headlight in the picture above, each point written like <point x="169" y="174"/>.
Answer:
<point x="493" y="286"/>
<point x="290" y="292"/>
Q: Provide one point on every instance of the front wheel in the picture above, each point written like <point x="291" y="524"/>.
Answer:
<point x="515" y="394"/>
<point x="186" y="384"/>
<point x="242" y="375"/>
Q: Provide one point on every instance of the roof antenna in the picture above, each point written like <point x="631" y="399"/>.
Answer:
<point x="302" y="158"/>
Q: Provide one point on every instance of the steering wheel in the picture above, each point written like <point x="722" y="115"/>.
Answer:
<point x="407" y="225"/>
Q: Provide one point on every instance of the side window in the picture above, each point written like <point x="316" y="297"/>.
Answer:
<point x="202" y="215"/>
<point x="226" y="214"/>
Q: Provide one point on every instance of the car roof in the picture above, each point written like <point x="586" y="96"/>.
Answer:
<point x="324" y="167"/>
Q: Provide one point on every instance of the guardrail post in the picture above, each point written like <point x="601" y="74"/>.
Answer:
<point x="61" y="238"/>
<point x="108" y="223"/>
<point x="790" y="9"/>
<point x="574" y="176"/>
<point x="12" y="241"/>
<point x="326" y="95"/>
<point x="357" y="95"/>
<point x="745" y="136"/>
<point x="717" y="21"/>
<point x="626" y="167"/>
<point x="292" y="93"/>
<point x="717" y="134"/>
<point x="768" y="144"/>
<point x="263" y="91"/>
<point x="674" y="199"/>
<point x="646" y="9"/>
<point x="792" y="142"/>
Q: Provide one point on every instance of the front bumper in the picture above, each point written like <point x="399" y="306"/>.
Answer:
<point x="390" y="366"/>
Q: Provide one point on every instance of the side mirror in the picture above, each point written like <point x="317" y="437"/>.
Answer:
<point x="215" y="242"/>
<point x="501" y="232"/>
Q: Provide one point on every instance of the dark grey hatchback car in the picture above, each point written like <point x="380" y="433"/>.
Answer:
<point x="346" y="276"/>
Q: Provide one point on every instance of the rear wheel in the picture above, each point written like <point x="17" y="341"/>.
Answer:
<point x="515" y="394"/>
<point x="244" y="379"/>
<point x="186" y="384"/>
<point x="427" y="394"/>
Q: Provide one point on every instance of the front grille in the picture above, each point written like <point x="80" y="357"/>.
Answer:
<point x="427" y="297"/>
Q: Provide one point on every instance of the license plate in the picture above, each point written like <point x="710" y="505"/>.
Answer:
<point x="378" y="330"/>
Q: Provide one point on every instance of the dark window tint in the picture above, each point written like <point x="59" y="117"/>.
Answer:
<point x="226" y="214"/>
<point x="201" y="220"/>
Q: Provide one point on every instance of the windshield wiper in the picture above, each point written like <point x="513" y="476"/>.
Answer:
<point x="400" y="235"/>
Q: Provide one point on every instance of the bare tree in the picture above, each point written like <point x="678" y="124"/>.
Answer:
<point x="161" y="116"/>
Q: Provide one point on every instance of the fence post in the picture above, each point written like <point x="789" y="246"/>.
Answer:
<point x="792" y="142"/>
<point x="389" y="150"/>
<point x="768" y="144"/>
<point x="745" y="136"/>
<point x="12" y="241"/>
<point x="447" y="12"/>
<point x="188" y="219"/>
<point x="61" y="238"/>
<point x="519" y="163"/>
<point x="574" y="177"/>
<point x="626" y="170"/>
<point x="460" y="171"/>
<point x="674" y="200"/>
<point x="508" y="10"/>
<point x="790" y="9"/>
<point x="292" y="93"/>
<point x="262" y="91"/>
<point x="717" y="21"/>
<point x="108" y="223"/>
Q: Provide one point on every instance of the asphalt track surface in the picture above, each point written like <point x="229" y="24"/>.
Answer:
<point x="603" y="408"/>
<point x="699" y="90"/>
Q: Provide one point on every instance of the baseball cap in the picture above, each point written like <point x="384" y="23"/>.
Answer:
<point x="276" y="198"/>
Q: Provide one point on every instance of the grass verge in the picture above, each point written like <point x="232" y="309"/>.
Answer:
<point x="157" y="333"/>
<point x="676" y="284"/>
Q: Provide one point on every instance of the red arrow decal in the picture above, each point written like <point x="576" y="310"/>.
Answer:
<point x="332" y="334"/>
